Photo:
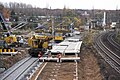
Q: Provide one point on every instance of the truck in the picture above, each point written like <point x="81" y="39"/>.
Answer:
<point x="113" y="25"/>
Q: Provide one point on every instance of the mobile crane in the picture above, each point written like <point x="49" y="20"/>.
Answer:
<point x="38" y="45"/>
<point x="6" y="40"/>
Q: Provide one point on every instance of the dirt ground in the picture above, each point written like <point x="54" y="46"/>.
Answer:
<point x="58" y="71"/>
<point x="88" y="66"/>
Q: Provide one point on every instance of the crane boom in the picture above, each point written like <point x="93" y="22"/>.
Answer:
<point x="2" y="22"/>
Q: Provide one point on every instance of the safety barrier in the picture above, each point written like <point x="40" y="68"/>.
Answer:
<point x="8" y="51"/>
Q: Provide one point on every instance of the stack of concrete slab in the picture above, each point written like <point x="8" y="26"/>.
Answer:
<point x="67" y="47"/>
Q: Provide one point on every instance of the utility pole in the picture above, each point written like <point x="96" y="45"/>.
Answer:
<point x="71" y="27"/>
<point x="104" y="21"/>
<point x="93" y="17"/>
<point x="117" y="21"/>
<point x="53" y="29"/>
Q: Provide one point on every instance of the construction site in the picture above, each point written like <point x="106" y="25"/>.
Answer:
<point x="58" y="44"/>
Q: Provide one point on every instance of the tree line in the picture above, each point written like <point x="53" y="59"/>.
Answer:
<point x="22" y="9"/>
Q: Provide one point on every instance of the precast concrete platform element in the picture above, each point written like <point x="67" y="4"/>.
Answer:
<point x="67" y="47"/>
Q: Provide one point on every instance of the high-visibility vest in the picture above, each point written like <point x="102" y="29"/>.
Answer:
<point x="59" y="55"/>
<point x="39" y="55"/>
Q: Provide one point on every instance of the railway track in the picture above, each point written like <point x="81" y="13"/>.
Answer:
<point x="111" y="40"/>
<point x="103" y="44"/>
<point x="58" y="71"/>
<point x="21" y="70"/>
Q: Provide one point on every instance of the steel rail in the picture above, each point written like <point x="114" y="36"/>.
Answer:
<point x="110" y="56"/>
<point x="108" y="52"/>
<point x="113" y="42"/>
<point x="101" y="43"/>
<point x="26" y="69"/>
<point x="17" y="68"/>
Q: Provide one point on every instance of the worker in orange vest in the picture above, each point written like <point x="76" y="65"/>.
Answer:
<point x="59" y="56"/>
<point x="39" y="55"/>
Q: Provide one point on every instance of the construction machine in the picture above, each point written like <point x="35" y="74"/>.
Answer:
<point x="5" y="33"/>
<point x="38" y="45"/>
<point x="58" y="37"/>
<point x="6" y="39"/>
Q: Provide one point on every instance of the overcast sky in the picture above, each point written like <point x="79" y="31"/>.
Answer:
<point x="72" y="4"/>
